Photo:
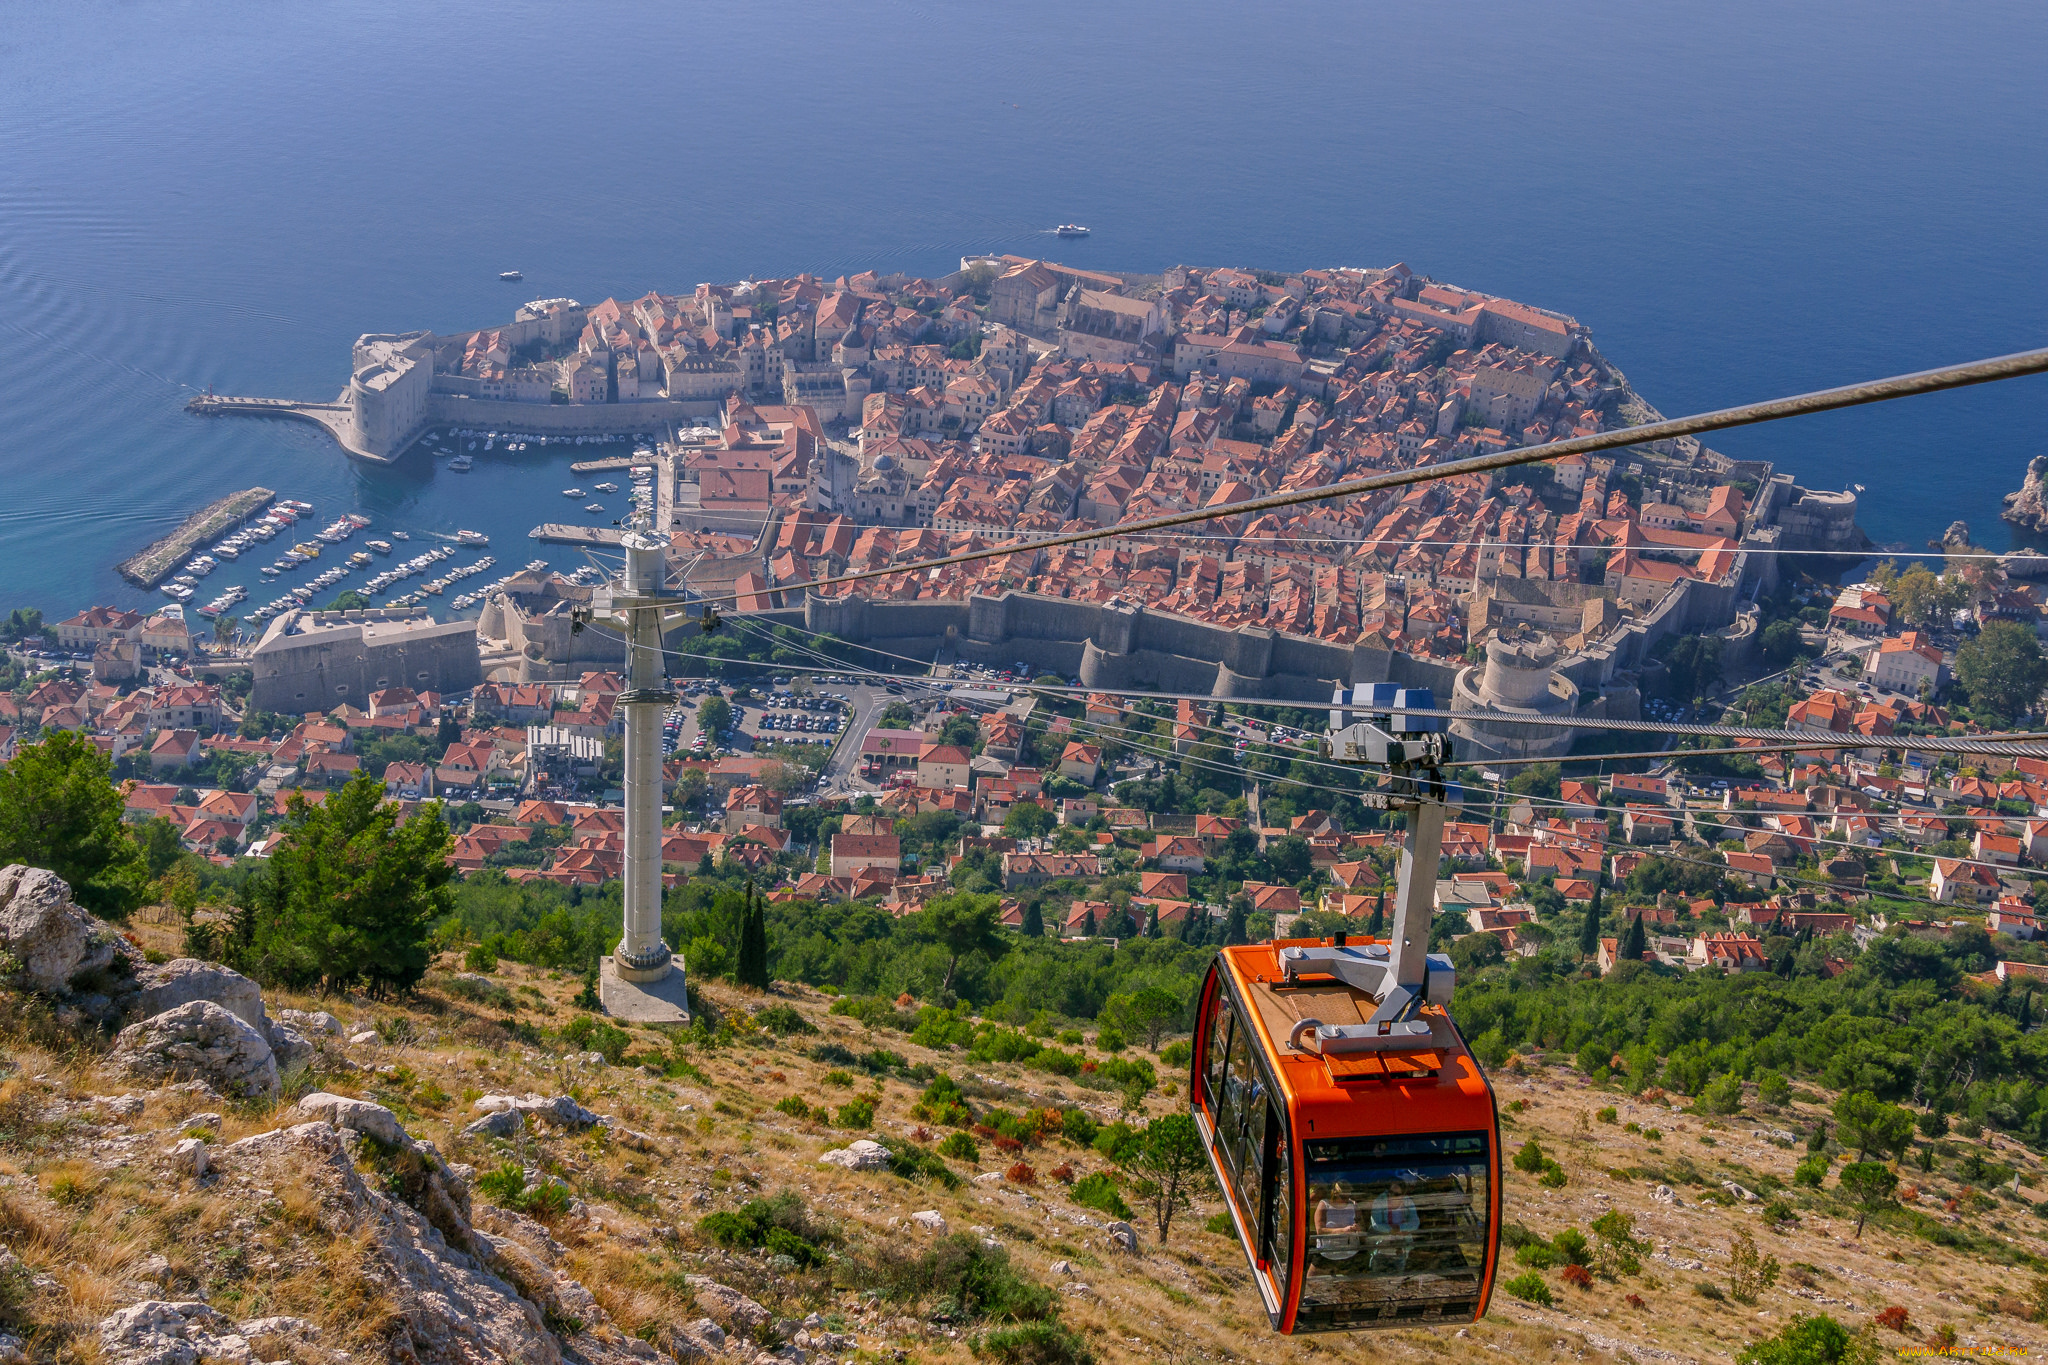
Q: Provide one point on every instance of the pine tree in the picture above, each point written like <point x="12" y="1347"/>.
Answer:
<point x="1034" y="921"/>
<point x="1589" y="931"/>
<point x="753" y="955"/>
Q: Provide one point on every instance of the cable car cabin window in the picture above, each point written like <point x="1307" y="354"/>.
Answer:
<point x="1241" y="1127"/>
<point x="1396" y="1229"/>
<point x="1219" y="1044"/>
<point x="1279" y="1243"/>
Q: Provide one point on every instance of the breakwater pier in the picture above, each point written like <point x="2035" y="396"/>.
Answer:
<point x="151" y="566"/>
<point x="560" y="533"/>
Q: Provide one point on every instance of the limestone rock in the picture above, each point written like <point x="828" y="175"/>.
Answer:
<point x="562" y="1111"/>
<point x="859" y="1155"/>
<point x="2024" y="564"/>
<point x="1747" y="1196"/>
<point x="451" y="1307"/>
<point x="290" y="1047"/>
<point x="201" y="1041"/>
<point x="697" y="1341"/>
<point x="1123" y="1236"/>
<point x="41" y="929"/>
<point x="188" y="1157"/>
<point x="503" y="1123"/>
<point x="125" y="1106"/>
<point x="373" y="1120"/>
<point x="2029" y="506"/>
<point x="158" y="1332"/>
<point x="1664" y="1194"/>
<point x="367" y="1036"/>
<point x="929" y="1220"/>
<point x="166" y="986"/>
<point x="1958" y="532"/>
<point x="312" y="1021"/>
<point x="740" y="1314"/>
<point x="1061" y="1268"/>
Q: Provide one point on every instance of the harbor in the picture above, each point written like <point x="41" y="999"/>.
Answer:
<point x="155" y="563"/>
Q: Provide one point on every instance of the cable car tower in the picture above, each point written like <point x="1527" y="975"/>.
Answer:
<point x="1350" y="1129"/>
<point x="642" y="979"/>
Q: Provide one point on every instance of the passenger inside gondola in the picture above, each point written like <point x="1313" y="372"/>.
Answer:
<point x="1396" y="1221"/>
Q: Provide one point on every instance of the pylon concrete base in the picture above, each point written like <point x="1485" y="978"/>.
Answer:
<point x="666" y="1001"/>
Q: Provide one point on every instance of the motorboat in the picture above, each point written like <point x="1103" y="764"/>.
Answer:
<point x="572" y="492"/>
<point x="471" y="538"/>
<point x="606" y="487"/>
<point x="382" y="547"/>
<point x="462" y="463"/>
<point x="508" y="276"/>
<point x="1070" y="230"/>
<point x="401" y="535"/>
<point x="593" y="507"/>
<point x="359" y="558"/>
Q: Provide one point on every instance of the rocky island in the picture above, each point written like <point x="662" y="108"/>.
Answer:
<point x="2028" y="507"/>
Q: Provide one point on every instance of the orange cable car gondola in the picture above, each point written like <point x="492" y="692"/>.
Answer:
<point x="1353" y="1135"/>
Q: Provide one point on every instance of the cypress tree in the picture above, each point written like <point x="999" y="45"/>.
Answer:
<point x="1034" y="921"/>
<point x="1233" y="928"/>
<point x="1634" y="941"/>
<point x="1379" y="915"/>
<point x="753" y="955"/>
<point x="1589" y="931"/>
<point x="2026" y="1011"/>
<point x="1088" y="925"/>
<point x="1152" y="923"/>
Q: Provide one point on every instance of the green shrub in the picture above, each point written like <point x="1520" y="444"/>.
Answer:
<point x="1177" y="1053"/>
<point x="1811" y="1171"/>
<point x="1118" y="1142"/>
<point x="1069" y="1037"/>
<point x="778" y="1225"/>
<point x="1816" y="1340"/>
<point x="592" y="1034"/>
<point x="1530" y="1158"/>
<point x="783" y="1021"/>
<point x="1553" y="1177"/>
<point x="1078" y="1126"/>
<point x="1573" y="1246"/>
<point x="873" y="1011"/>
<point x="937" y="1028"/>
<point x="942" y="1102"/>
<point x="1110" y="1040"/>
<point x="794" y="1106"/>
<point x="1099" y="1192"/>
<point x="839" y="1078"/>
<point x="855" y="1113"/>
<point x="1033" y="1343"/>
<point x="912" y="1162"/>
<point x="963" y="1275"/>
<point x="1530" y="1287"/>
<point x="480" y="959"/>
<point x="504" y="1185"/>
<point x="1608" y="1114"/>
<point x="960" y="1147"/>
<point x="1538" y="1256"/>
<point x="1222" y="1224"/>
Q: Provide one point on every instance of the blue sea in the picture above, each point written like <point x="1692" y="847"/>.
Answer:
<point x="1740" y="199"/>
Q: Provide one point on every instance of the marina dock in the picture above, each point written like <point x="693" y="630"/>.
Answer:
<point x="611" y="462"/>
<point x="557" y="533"/>
<point x="151" y="566"/>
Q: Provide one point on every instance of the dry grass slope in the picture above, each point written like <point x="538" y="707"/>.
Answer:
<point x="86" y="1203"/>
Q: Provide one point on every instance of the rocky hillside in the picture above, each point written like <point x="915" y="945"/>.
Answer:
<point x="190" y="1172"/>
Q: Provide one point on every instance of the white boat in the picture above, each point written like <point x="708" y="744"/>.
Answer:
<point x="510" y="275"/>
<point x="572" y="492"/>
<point x="359" y="558"/>
<point x="593" y="507"/>
<point x="401" y="535"/>
<point x="471" y="538"/>
<point x="606" y="487"/>
<point x="462" y="464"/>
<point x="382" y="547"/>
<point x="1070" y="230"/>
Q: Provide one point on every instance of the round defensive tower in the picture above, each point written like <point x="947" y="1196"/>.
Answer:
<point x="1519" y="679"/>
